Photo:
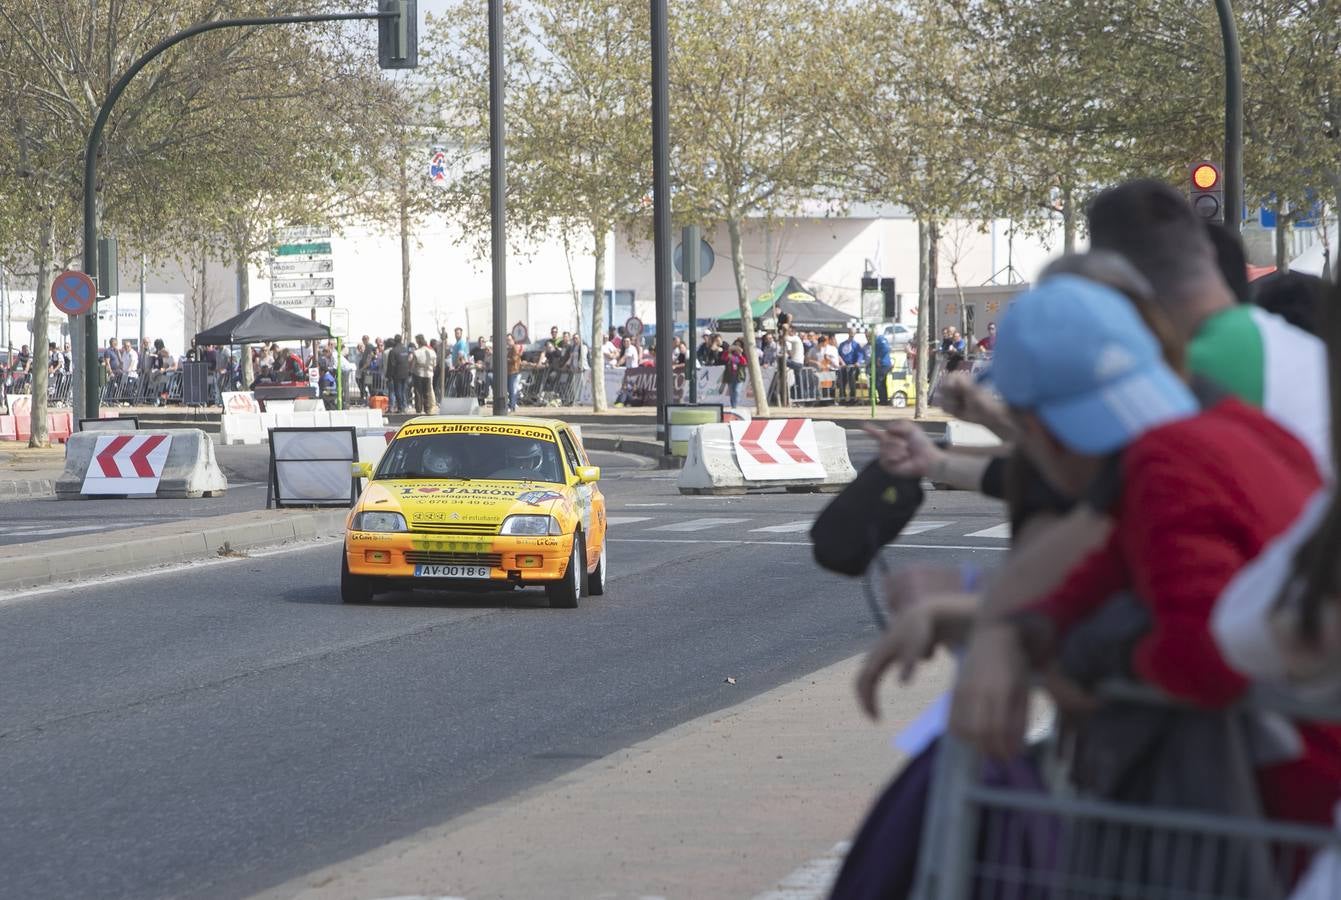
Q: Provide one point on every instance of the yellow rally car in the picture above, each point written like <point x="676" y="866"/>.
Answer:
<point x="471" y="503"/>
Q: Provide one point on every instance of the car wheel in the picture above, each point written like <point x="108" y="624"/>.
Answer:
<point x="564" y="594"/>
<point x="596" y="580"/>
<point x="900" y="400"/>
<point x="353" y="588"/>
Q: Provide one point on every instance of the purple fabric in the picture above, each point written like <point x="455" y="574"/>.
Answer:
<point x="882" y="863"/>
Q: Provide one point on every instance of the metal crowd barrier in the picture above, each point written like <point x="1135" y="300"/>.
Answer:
<point x="1011" y="842"/>
<point x="59" y="387"/>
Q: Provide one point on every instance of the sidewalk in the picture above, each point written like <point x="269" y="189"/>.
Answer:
<point x="86" y="555"/>
<point x="727" y="805"/>
<point x="28" y="472"/>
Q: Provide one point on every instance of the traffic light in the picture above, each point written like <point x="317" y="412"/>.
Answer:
<point x="398" y="35"/>
<point x="1208" y="192"/>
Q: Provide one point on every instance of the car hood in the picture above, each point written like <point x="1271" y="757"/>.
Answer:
<point x="450" y="503"/>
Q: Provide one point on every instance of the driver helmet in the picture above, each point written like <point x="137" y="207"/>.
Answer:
<point x="441" y="461"/>
<point x="525" y="455"/>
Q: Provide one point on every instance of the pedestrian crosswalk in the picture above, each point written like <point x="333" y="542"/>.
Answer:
<point x="697" y="525"/>
<point x="53" y="529"/>
<point x="764" y="527"/>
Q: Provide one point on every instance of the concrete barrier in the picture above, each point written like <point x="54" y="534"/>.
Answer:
<point x="838" y="469"/>
<point x="458" y="406"/>
<point x="191" y="469"/>
<point x="967" y="434"/>
<point x="242" y="428"/>
<point x="712" y="465"/>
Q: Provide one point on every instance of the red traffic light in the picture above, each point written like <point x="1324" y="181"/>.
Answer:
<point x="1205" y="176"/>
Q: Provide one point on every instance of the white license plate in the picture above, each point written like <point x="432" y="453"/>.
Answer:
<point x="451" y="571"/>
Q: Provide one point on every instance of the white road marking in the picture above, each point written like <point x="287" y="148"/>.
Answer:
<point x="643" y="505"/>
<point x="798" y="544"/>
<point x="626" y="520"/>
<point x="811" y="881"/>
<point x="922" y="526"/>
<point x="169" y="569"/>
<point x="787" y="528"/>
<point x="698" y="525"/>
<point x="1002" y="532"/>
<point x="29" y="530"/>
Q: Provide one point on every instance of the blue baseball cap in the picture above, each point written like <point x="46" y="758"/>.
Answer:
<point x="1077" y="354"/>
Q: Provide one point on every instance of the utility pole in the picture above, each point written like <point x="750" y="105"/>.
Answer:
<point x="498" y="207"/>
<point x="661" y="212"/>
<point x="1233" y="117"/>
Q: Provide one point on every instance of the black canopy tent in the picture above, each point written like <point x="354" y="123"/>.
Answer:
<point x="807" y="311"/>
<point x="263" y="322"/>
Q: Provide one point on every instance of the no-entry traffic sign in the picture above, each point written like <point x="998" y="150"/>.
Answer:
<point x="73" y="293"/>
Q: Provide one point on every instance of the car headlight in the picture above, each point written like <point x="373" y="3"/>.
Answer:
<point x="531" y="525"/>
<point x="379" y="521"/>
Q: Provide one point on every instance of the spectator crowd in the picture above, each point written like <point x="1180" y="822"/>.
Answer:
<point x="1168" y="458"/>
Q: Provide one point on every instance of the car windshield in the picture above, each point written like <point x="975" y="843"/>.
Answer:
<point x="468" y="455"/>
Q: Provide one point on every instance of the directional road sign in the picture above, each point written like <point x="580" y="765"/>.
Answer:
<point x="292" y="285"/>
<point x="319" y="249"/>
<point x="300" y="266"/>
<point x="127" y="464"/>
<point x="73" y="293"/>
<point x="304" y="301"/>
<point x="777" y="449"/>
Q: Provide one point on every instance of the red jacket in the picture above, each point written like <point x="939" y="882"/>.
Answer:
<point x="1200" y="498"/>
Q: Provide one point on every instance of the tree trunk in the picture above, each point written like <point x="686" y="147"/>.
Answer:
<point x="1336" y="250"/>
<point x="244" y="303"/>
<point x="747" y="322"/>
<point x="41" y="319"/>
<point x="203" y="310"/>
<point x="924" y="289"/>
<point x="404" y="210"/>
<point x="1282" y="246"/>
<point x="1068" y="222"/>
<point x="598" y="400"/>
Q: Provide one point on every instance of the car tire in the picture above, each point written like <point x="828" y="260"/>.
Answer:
<point x="354" y="589"/>
<point x="900" y="400"/>
<point x="596" y="580"/>
<point x="563" y="594"/>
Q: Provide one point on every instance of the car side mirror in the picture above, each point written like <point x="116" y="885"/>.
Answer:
<point x="589" y="474"/>
<point x="362" y="470"/>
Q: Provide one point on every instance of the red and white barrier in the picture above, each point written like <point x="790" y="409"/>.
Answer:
<point x="776" y="450"/>
<point x="795" y="454"/>
<point x="127" y="465"/>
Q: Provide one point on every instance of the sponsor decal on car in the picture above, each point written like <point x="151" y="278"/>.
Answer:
<point x="526" y="431"/>
<point x="535" y="498"/>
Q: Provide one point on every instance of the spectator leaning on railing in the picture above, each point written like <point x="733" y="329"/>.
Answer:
<point x="1200" y="493"/>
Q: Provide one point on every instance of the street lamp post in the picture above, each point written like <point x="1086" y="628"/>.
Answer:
<point x="498" y="207"/>
<point x="1233" y="117"/>
<point x="661" y="211"/>
<point x="89" y="352"/>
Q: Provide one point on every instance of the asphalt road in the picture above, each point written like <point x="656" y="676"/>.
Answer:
<point x="219" y="729"/>
<point x="46" y="518"/>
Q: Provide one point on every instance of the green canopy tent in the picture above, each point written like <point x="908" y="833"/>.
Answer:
<point x="808" y="312"/>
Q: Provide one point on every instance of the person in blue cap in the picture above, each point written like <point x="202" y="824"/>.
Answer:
<point x="1201" y="493"/>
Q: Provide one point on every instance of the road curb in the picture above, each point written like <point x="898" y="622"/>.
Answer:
<point x="34" y="565"/>
<point x="27" y="489"/>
